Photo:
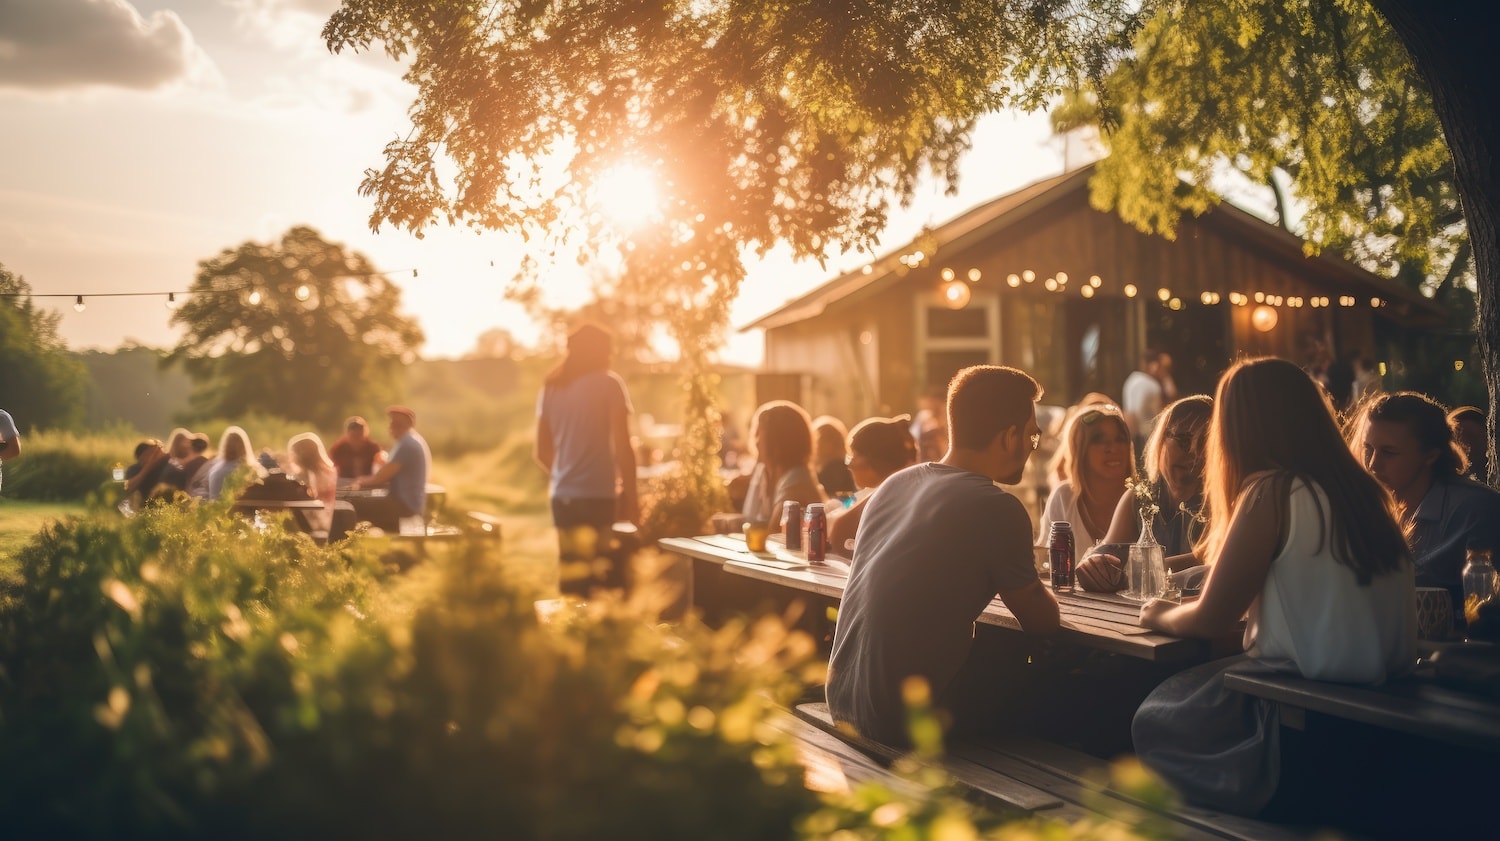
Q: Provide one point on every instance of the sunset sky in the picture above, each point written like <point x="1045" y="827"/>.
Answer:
<point x="142" y="136"/>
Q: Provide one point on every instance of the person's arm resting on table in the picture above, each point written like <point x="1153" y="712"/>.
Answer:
<point x="383" y="476"/>
<point x="1255" y="538"/>
<point x="1034" y="607"/>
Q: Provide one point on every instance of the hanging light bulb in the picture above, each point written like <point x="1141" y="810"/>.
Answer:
<point x="303" y="293"/>
<point x="171" y="300"/>
<point x="955" y="295"/>
<point x="1263" y="318"/>
<point x="254" y="298"/>
<point x="79" y="305"/>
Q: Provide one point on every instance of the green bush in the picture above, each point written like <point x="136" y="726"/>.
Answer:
<point x="184" y="674"/>
<point x="66" y="466"/>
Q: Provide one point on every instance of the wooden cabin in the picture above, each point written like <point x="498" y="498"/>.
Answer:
<point x="1041" y="280"/>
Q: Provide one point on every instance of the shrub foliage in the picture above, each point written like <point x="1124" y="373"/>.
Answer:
<point x="187" y="675"/>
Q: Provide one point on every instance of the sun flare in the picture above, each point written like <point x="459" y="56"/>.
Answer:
<point x="626" y="195"/>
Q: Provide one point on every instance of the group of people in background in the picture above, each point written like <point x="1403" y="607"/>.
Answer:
<point x="186" y="465"/>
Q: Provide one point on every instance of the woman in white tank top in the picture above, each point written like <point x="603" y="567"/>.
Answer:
<point x="1308" y="552"/>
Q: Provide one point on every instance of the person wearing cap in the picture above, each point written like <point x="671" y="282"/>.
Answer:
<point x="404" y="472"/>
<point x="356" y="455"/>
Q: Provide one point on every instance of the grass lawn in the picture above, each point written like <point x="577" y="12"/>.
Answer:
<point x="20" y="520"/>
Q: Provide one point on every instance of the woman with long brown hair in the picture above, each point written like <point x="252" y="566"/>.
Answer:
<point x="781" y="433"/>
<point x="1304" y="545"/>
<point x="1100" y="457"/>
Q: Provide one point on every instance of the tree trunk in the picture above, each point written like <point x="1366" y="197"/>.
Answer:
<point x="1451" y="45"/>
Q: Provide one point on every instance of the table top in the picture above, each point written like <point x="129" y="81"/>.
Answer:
<point x="277" y="504"/>
<point x="346" y="492"/>
<point x="1106" y="621"/>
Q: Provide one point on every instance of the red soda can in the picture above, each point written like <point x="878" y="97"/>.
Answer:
<point x="816" y="541"/>
<point x="1060" y="544"/>
<point x="791" y="525"/>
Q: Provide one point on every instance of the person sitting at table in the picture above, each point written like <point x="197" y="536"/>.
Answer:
<point x="936" y="543"/>
<point x="1174" y="475"/>
<point x="309" y="464"/>
<point x="829" y="454"/>
<point x="878" y="447"/>
<point x="234" y="458"/>
<point x="197" y="486"/>
<point x="355" y="454"/>
<point x="404" y="473"/>
<point x="1469" y="430"/>
<point x="1100" y="458"/>
<point x="1404" y="439"/>
<point x="1305" y="547"/>
<point x="782" y="434"/>
<point x="151" y="460"/>
<point x="182" y="462"/>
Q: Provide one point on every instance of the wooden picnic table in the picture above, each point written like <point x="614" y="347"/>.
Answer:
<point x="1104" y="621"/>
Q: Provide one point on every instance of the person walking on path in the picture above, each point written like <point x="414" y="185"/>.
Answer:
<point x="10" y="440"/>
<point x="583" y="442"/>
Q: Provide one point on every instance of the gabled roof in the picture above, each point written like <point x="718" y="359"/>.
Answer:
<point x="986" y="220"/>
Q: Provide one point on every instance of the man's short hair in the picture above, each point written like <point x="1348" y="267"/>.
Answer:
<point x="1150" y="356"/>
<point x="356" y="422"/>
<point x="200" y="442"/>
<point x="985" y="400"/>
<point x="411" y="416"/>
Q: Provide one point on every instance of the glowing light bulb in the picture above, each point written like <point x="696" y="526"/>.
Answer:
<point x="1130" y="290"/>
<point x="254" y="298"/>
<point x="171" y="300"/>
<point x="1263" y="318"/>
<point x="1013" y="280"/>
<point x="303" y="293"/>
<point x="955" y="295"/>
<point x="974" y="275"/>
<point x="79" y="305"/>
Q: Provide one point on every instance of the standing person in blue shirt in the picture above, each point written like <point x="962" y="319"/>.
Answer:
<point x="10" y="437"/>
<point x="405" y="470"/>
<point x="583" y="442"/>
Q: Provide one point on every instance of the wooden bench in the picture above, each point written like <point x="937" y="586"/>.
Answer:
<point x="1415" y="705"/>
<point x="1051" y="781"/>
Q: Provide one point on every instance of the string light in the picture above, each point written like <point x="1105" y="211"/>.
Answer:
<point x="974" y="275"/>
<point x="1130" y="290"/>
<point x="303" y="292"/>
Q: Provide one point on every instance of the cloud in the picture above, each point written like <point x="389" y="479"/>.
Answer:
<point x="59" y="45"/>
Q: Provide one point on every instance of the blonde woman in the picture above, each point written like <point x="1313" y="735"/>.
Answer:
<point x="234" y="456"/>
<point x="310" y="464"/>
<point x="1100" y="459"/>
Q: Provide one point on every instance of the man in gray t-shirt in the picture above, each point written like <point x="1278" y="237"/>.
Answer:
<point x="936" y="543"/>
<point x="405" y="470"/>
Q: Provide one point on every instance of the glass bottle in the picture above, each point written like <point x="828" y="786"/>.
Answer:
<point x="1481" y="612"/>
<point x="1146" y="571"/>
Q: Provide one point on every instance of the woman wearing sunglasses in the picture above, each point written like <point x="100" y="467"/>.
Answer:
<point x="1174" y="477"/>
<point x="1100" y="459"/>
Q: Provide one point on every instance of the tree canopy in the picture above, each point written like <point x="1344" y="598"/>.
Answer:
<point x="301" y="328"/>
<point x="1316" y="101"/>
<point x="41" y="384"/>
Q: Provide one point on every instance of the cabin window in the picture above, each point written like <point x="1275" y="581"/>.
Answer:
<point x="949" y="340"/>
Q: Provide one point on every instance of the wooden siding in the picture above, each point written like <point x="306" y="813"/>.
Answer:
<point x="1070" y="236"/>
